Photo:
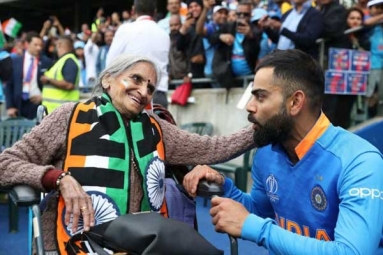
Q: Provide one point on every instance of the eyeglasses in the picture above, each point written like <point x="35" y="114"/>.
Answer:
<point x="244" y="14"/>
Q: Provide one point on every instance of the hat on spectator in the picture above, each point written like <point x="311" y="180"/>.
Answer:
<point x="79" y="44"/>
<point x="197" y="1"/>
<point x="275" y="15"/>
<point x="219" y="7"/>
<point x="374" y="2"/>
<point x="257" y="14"/>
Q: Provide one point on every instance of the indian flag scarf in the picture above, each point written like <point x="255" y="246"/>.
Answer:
<point x="99" y="147"/>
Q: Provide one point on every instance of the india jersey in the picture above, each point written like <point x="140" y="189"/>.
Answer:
<point x="333" y="194"/>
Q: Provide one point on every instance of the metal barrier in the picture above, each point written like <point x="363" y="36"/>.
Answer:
<point x="245" y="80"/>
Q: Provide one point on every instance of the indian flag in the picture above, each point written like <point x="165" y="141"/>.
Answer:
<point x="2" y="37"/>
<point x="11" y="27"/>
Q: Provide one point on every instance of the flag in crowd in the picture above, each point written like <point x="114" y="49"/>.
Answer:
<point x="11" y="27"/>
<point x="2" y="37"/>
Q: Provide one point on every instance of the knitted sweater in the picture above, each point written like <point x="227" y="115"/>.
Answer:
<point x="44" y="149"/>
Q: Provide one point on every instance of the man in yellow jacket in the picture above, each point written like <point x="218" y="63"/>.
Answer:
<point x="61" y="80"/>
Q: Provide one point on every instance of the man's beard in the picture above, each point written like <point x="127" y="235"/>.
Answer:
<point x="276" y="129"/>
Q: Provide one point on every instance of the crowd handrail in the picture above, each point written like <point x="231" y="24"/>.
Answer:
<point x="245" y="80"/>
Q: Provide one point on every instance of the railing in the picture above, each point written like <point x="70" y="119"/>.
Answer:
<point x="245" y="81"/>
<point x="321" y="42"/>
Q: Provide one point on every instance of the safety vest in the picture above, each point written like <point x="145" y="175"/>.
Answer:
<point x="53" y="97"/>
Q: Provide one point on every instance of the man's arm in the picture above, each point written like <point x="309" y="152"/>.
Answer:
<point x="334" y="22"/>
<point x="314" y="28"/>
<point x="359" y="226"/>
<point x="70" y="72"/>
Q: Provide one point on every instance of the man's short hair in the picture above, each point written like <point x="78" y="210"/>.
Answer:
<point x="67" y="41"/>
<point x="295" y="70"/>
<point x="145" y="7"/>
<point x="31" y="35"/>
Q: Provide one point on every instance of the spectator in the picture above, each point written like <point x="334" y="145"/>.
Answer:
<point x="375" y="80"/>
<point x="334" y="18"/>
<point x="98" y="21"/>
<point x="362" y="5"/>
<point x="113" y="23"/>
<point x="18" y="48"/>
<point x="79" y="52"/>
<point x="145" y="37"/>
<point x="103" y="52"/>
<point x="359" y="40"/>
<point x="52" y="28"/>
<point x="299" y="28"/>
<point x="173" y="7"/>
<point x="237" y="43"/>
<point x="62" y="79"/>
<point x="5" y="71"/>
<point x="313" y="182"/>
<point x="232" y="16"/>
<point x="50" y="48"/>
<point x="206" y="29"/>
<point x="266" y="45"/>
<point x="84" y="32"/>
<point x="126" y="17"/>
<point x="190" y="42"/>
<point x="178" y="63"/>
<point x="24" y="89"/>
<point x="91" y="51"/>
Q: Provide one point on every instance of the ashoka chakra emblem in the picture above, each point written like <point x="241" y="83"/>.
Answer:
<point x="155" y="183"/>
<point x="105" y="210"/>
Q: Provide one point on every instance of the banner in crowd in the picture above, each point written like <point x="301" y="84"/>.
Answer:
<point x="11" y="27"/>
<point x="347" y="72"/>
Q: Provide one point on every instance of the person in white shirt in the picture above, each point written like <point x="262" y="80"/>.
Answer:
<point x="144" y="37"/>
<point x="91" y="51"/>
<point x="173" y="7"/>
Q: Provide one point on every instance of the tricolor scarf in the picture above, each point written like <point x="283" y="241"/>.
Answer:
<point x="99" y="146"/>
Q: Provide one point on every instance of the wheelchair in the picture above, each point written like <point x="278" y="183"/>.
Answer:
<point x="25" y="196"/>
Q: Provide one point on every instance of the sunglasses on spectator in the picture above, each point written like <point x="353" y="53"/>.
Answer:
<point x="244" y="14"/>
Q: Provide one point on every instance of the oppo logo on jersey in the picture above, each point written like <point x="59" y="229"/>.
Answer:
<point x="366" y="193"/>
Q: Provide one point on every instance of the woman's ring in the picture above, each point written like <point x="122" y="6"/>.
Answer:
<point x="83" y="208"/>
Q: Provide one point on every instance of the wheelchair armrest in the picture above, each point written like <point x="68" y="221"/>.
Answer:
<point x="23" y="195"/>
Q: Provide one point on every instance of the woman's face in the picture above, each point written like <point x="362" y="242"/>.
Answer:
<point x="133" y="89"/>
<point x="354" y="19"/>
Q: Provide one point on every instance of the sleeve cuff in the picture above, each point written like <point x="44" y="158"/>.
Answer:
<point x="49" y="179"/>
<point x="256" y="229"/>
<point x="227" y="186"/>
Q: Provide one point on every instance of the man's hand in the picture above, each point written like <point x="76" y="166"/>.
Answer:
<point x="245" y="29"/>
<point x="186" y="25"/>
<point x="77" y="203"/>
<point x="44" y="79"/>
<point x="192" y="179"/>
<point x="227" y="39"/>
<point x="36" y="99"/>
<point x="228" y="216"/>
<point x="12" y="112"/>
<point x="207" y="4"/>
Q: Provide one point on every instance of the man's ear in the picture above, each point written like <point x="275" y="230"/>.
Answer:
<point x="297" y="101"/>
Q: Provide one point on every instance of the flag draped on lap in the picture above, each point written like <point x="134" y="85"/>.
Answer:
<point x="11" y="27"/>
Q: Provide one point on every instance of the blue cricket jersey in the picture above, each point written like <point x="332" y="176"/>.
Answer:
<point x="330" y="202"/>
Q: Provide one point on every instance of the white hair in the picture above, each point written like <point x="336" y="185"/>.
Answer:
<point x="119" y="65"/>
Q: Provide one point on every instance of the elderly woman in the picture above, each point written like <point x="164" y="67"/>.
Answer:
<point x="105" y="157"/>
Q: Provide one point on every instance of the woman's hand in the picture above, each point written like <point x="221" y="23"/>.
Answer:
<point x="199" y="172"/>
<point x="77" y="202"/>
